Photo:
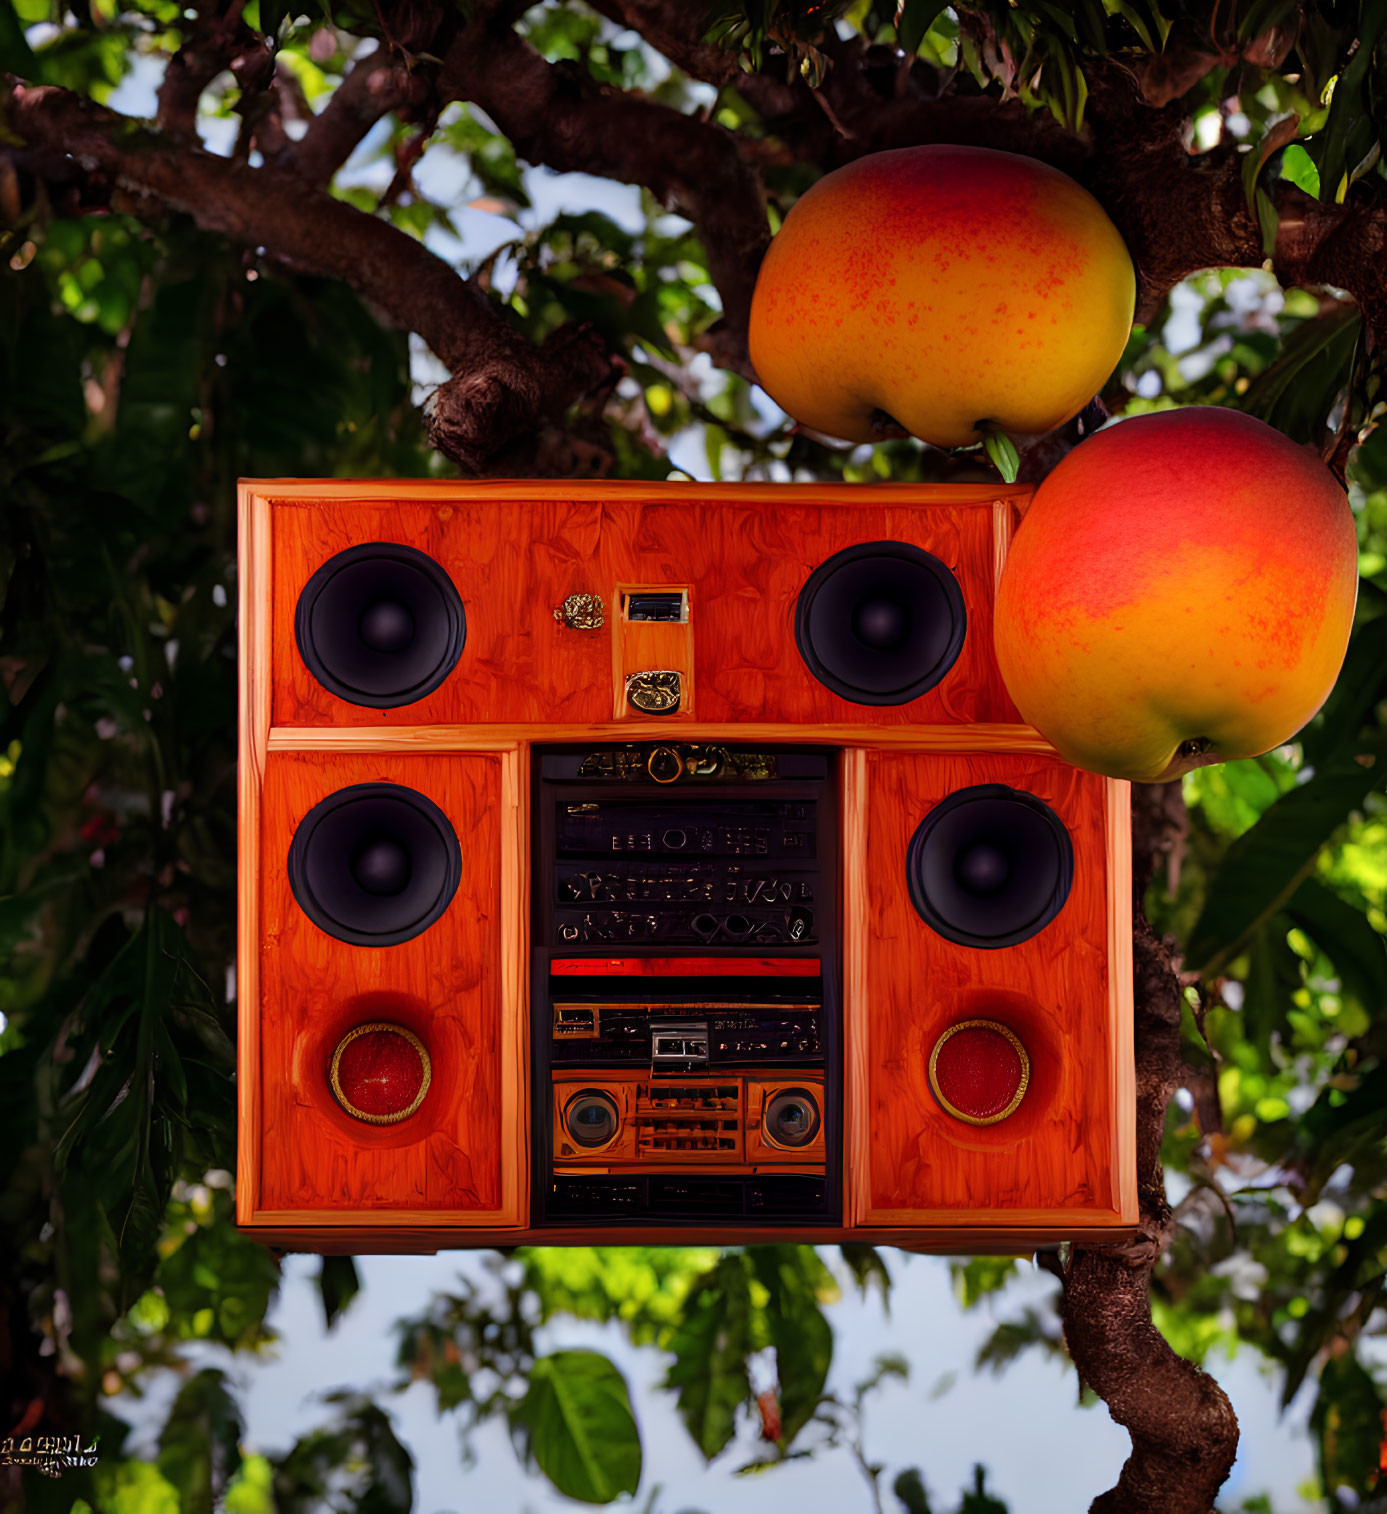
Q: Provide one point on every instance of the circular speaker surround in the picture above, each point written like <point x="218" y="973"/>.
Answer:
<point x="791" y="1118"/>
<point x="591" y="1119"/>
<point x="880" y="623"/>
<point x="979" y="1071"/>
<point x="380" y="625"/>
<point x="989" y="866"/>
<point x="374" y="864"/>
<point x="380" y="1073"/>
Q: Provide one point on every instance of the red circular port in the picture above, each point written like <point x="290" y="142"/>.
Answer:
<point x="979" y="1071"/>
<point x="380" y="1073"/>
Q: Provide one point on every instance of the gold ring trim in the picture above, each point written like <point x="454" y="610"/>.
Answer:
<point x="990" y="1119"/>
<point x="346" y="1103"/>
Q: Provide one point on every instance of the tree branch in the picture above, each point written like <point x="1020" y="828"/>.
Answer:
<point x="376" y="85"/>
<point x="1183" y="1428"/>
<point x="506" y="387"/>
<point x="559" y="116"/>
<point x="214" y="35"/>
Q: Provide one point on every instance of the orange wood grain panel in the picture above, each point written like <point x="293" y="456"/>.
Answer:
<point x="457" y="1159"/>
<point x="745" y="556"/>
<point x="1062" y="1157"/>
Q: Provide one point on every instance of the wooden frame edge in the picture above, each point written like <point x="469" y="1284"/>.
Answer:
<point x="949" y="1239"/>
<point x="655" y="491"/>
<point x="253" y="728"/>
<point x="853" y="863"/>
<point x="1022" y="740"/>
<point x="1120" y="996"/>
<point x="515" y="984"/>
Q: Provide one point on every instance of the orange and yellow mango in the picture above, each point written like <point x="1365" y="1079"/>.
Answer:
<point x="1179" y="592"/>
<point x="957" y="289"/>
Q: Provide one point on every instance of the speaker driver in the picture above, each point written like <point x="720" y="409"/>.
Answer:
<point x="989" y="866"/>
<point x="591" y="1118"/>
<point x="380" y="625"/>
<point x="880" y="623"/>
<point x="792" y="1117"/>
<point x="374" y="864"/>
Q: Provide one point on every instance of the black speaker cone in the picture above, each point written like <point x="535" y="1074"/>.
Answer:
<point x="792" y="1117"/>
<point x="880" y="623"/>
<point x="380" y="625"/>
<point x="374" y="864"/>
<point x="989" y="866"/>
<point x="591" y="1118"/>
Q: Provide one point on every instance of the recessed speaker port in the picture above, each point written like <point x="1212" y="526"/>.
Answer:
<point x="591" y="1118"/>
<point x="979" y="1071"/>
<point x="380" y="1073"/>
<point x="792" y="1118"/>
<point x="665" y="765"/>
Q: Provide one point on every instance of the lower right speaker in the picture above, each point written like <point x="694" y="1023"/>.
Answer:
<point x="988" y="991"/>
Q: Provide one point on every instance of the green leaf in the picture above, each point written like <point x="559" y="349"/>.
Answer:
<point x="200" y="1444"/>
<point x="1359" y="688"/>
<point x="582" y="1431"/>
<point x="1347" y="1422"/>
<point x="1298" y="167"/>
<point x="916" y="18"/>
<point x="1002" y="453"/>
<point x="1345" y="936"/>
<point x="1297" y="391"/>
<point x="867" y="1267"/>
<point x="1265" y="865"/>
<point x="909" y="1487"/>
<point x="711" y="1346"/>
<point x="338" y="1285"/>
<point x="356" y="1463"/>
<point x="802" y="1337"/>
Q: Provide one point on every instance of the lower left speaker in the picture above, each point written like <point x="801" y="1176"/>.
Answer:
<point x="384" y="1042"/>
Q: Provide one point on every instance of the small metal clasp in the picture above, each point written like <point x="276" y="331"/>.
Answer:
<point x="657" y="691"/>
<point x="582" y="612"/>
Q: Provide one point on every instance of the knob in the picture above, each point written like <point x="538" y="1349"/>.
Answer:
<point x="665" y="764"/>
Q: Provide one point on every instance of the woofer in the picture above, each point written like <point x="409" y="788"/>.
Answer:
<point x="374" y="864"/>
<point x="591" y="1118"/>
<point x="380" y="624"/>
<point x="792" y="1117"/>
<point x="880" y="623"/>
<point x="989" y="866"/>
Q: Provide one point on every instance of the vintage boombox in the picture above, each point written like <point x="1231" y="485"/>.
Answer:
<point x="664" y="862"/>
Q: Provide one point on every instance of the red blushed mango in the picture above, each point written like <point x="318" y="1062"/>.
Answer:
<point x="1179" y="593"/>
<point x="951" y="287"/>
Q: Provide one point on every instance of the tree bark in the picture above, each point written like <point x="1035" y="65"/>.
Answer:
<point x="1183" y="1428"/>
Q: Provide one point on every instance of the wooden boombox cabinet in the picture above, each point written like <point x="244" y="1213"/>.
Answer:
<point x="713" y="587"/>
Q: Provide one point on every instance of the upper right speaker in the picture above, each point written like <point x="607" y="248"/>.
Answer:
<point x="881" y="622"/>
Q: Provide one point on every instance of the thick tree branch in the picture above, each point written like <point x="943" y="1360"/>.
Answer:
<point x="215" y="34"/>
<point x="506" y="386"/>
<point x="558" y="115"/>
<point x="375" y="86"/>
<point x="1184" y="1432"/>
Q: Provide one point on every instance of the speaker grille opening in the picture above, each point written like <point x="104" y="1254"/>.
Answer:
<point x="374" y="864"/>
<point x="880" y="623"/>
<point x="989" y="866"/>
<point x="380" y="625"/>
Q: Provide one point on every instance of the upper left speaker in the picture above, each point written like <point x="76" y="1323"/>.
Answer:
<point x="380" y="624"/>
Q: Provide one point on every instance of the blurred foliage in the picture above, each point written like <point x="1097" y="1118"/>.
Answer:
<point x="145" y="369"/>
